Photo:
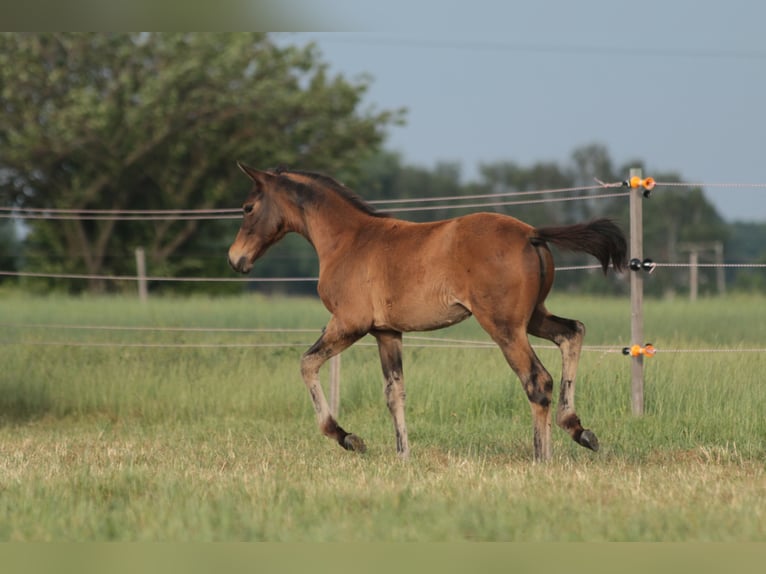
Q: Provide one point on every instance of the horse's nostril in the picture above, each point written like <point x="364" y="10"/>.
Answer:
<point x="238" y="265"/>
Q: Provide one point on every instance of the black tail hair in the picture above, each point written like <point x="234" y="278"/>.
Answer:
<point x="601" y="238"/>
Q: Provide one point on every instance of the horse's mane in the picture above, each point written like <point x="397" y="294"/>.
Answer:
<point x="335" y="186"/>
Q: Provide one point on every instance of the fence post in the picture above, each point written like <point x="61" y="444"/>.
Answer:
<point x="335" y="385"/>
<point x="636" y="296"/>
<point x="693" y="274"/>
<point x="143" y="292"/>
<point x="720" y="273"/>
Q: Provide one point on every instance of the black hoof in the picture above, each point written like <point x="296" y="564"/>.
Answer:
<point x="353" y="442"/>
<point x="588" y="440"/>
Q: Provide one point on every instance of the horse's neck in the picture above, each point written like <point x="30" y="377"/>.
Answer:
<point x="331" y="224"/>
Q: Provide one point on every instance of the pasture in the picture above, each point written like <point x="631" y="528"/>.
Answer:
<point x="164" y="435"/>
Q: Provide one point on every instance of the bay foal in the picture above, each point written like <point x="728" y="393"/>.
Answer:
<point x="386" y="276"/>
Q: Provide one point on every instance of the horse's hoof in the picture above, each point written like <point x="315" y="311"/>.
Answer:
<point x="353" y="442"/>
<point x="588" y="440"/>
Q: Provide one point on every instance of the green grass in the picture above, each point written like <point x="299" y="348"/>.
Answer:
<point x="189" y="444"/>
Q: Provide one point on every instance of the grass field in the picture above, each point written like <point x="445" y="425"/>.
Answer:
<point x="101" y="439"/>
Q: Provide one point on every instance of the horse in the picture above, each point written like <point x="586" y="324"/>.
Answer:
<point x="384" y="276"/>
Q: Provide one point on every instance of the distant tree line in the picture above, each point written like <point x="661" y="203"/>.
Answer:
<point x="674" y="217"/>
<point x="156" y="121"/>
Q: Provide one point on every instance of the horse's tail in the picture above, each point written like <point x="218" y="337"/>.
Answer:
<point x="600" y="238"/>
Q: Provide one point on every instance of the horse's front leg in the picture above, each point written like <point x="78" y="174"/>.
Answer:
<point x="390" y="349"/>
<point x="334" y="340"/>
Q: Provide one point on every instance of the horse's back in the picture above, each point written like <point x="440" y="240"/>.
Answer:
<point x="482" y="230"/>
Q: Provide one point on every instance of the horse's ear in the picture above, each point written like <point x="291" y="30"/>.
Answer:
<point x="256" y="175"/>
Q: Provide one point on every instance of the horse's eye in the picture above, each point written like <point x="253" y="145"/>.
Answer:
<point x="248" y="208"/>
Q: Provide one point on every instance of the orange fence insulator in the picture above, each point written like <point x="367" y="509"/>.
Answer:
<point x="647" y="183"/>
<point x="647" y="350"/>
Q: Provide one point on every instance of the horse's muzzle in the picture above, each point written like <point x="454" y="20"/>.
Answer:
<point x="240" y="265"/>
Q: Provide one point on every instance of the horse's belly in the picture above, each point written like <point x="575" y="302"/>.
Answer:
<point x="422" y="316"/>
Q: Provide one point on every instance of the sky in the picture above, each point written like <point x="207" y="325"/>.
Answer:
<point x="679" y="85"/>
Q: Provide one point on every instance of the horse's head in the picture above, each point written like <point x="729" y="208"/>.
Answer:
<point x="263" y="223"/>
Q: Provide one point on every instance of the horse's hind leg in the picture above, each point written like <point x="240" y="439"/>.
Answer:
<point x="568" y="335"/>
<point x="333" y="341"/>
<point x="538" y="384"/>
<point x="390" y="349"/>
<point x="536" y="380"/>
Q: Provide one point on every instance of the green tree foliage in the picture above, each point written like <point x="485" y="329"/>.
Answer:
<point x="385" y="176"/>
<point x="156" y="121"/>
<point x="747" y="244"/>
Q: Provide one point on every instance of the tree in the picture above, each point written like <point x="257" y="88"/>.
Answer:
<point x="156" y="121"/>
<point x="745" y="244"/>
